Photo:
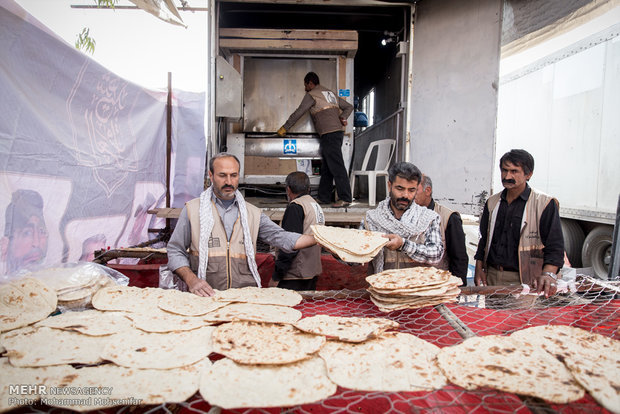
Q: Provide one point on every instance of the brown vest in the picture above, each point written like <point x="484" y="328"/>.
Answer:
<point x="307" y="263"/>
<point x="444" y="216"/>
<point x="325" y="112"/>
<point x="227" y="266"/>
<point x="531" y="258"/>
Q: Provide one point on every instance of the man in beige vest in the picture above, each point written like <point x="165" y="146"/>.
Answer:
<point x="329" y="114"/>
<point x="213" y="245"/>
<point x="299" y="270"/>
<point x="415" y="238"/>
<point x="521" y="235"/>
<point x="455" y="254"/>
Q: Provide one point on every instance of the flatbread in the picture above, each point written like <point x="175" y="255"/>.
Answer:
<point x="593" y="359"/>
<point x="128" y="299"/>
<point x="139" y="349"/>
<point x="25" y="301"/>
<point x="43" y="346"/>
<point x="263" y="296"/>
<point x="359" y="242"/>
<point x="391" y="363"/>
<point x="186" y="303"/>
<point x="255" y="313"/>
<point x="263" y="343"/>
<point x="350" y="245"/>
<point x="89" y="322"/>
<point x="408" y="278"/>
<point x="509" y="365"/>
<point x="163" y="321"/>
<point x="32" y="377"/>
<point x="227" y="384"/>
<point x="126" y="386"/>
<point x="349" y="329"/>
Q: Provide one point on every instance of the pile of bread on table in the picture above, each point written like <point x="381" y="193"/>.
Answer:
<point x="150" y="346"/>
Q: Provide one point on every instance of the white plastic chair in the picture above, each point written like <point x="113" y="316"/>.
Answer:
<point x="385" y="151"/>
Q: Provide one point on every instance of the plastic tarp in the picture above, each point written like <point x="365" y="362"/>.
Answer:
<point x="82" y="151"/>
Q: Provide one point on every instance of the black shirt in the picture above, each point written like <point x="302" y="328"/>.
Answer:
<point x="293" y="220"/>
<point x="504" y="247"/>
<point x="455" y="245"/>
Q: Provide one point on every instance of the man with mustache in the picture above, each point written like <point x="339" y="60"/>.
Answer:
<point x="414" y="231"/>
<point x="25" y="234"/>
<point x="521" y="235"/>
<point x="213" y="245"/>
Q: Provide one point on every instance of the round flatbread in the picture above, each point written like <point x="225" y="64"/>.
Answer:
<point x="255" y="313"/>
<point x="408" y="278"/>
<point x="593" y="359"/>
<point x="163" y="321"/>
<point x="263" y="296"/>
<point x="121" y="386"/>
<point x="186" y="303"/>
<point x="349" y="329"/>
<point x="128" y="299"/>
<point x="264" y="343"/>
<point x="25" y="301"/>
<point x="43" y="346"/>
<point x="89" y="322"/>
<point x="509" y="365"/>
<point x="355" y="241"/>
<point x="138" y="349"/>
<point x="391" y="363"/>
<point x="227" y="384"/>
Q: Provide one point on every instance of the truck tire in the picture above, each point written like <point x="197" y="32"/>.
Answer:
<point x="573" y="241"/>
<point x="596" y="250"/>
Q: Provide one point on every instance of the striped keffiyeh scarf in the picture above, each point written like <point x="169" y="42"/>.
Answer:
<point x="414" y="221"/>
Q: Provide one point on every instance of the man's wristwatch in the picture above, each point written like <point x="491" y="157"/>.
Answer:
<point x="553" y="275"/>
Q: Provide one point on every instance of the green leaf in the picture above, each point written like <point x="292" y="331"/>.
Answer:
<point x="85" y="42"/>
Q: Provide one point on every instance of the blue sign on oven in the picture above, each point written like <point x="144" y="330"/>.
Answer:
<point x="290" y="146"/>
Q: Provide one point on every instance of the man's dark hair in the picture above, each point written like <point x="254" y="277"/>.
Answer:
<point x="221" y="155"/>
<point x="24" y="205"/>
<point x="519" y="157"/>
<point x="298" y="182"/>
<point x="311" y="77"/>
<point x="405" y="170"/>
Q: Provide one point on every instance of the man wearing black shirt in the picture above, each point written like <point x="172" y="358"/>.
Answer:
<point x="521" y="235"/>
<point x="300" y="269"/>
<point x="455" y="254"/>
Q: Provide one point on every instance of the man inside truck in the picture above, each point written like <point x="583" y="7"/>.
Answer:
<point x="329" y="114"/>
<point x="413" y="230"/>
<point x="521" y="237"/>
<point x="213" y="245"/>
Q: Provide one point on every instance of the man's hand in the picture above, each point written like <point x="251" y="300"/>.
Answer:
<point x="273" y="283"/>
<point x="343" y="122"/>
<point x="480" y="276"/>
<point x="545" y="283"/>
<point x="395" y="243"/>
<point x="281" y="132"/>
<point x="201" y="288"/>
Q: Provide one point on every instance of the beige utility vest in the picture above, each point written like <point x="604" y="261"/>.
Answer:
<point x="307" y="263"/>
<point x="325" y="112"/>
<point x="227" y="266"/>
<point x="444" y="216"/>
<point x="531" y="258"/>
<point x="393" y="259"/>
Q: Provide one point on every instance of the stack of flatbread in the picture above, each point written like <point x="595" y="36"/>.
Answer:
<point x="75" y="285"/>
<point x="412" y="288"/>
<point x="350" y="245"/>
<point x="23" y="302"/>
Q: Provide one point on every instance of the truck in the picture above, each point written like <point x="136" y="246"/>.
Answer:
<point x="455" y="83"/>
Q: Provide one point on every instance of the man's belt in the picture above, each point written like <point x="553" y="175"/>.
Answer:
<point x="503" y="268"/>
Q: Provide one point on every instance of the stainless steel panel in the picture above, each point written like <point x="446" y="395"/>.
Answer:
<point x="288" y="147"/>
<point x="274" y="87"/>
<point x="228" y="88"/>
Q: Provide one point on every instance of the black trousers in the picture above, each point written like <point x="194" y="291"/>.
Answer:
<point x="332" y="168"/>
<point x="298" y="284"/>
